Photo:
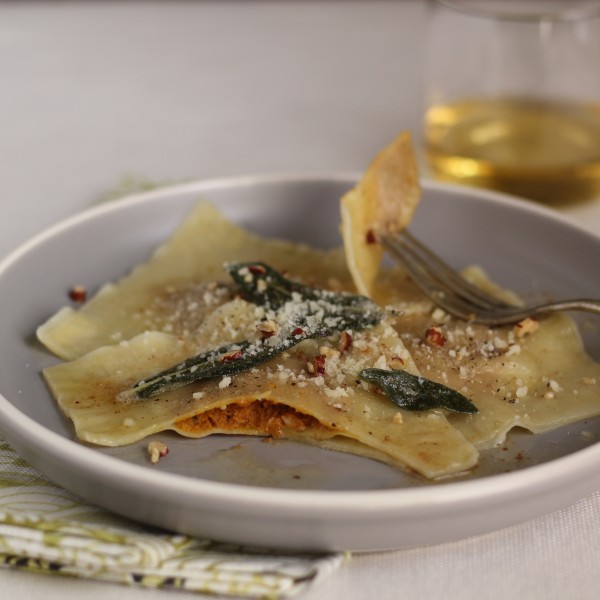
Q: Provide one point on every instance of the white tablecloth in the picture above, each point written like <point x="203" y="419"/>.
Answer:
<point x="95" y="92"/>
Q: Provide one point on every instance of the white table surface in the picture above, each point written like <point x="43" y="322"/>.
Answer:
<point x="95" y="92"/>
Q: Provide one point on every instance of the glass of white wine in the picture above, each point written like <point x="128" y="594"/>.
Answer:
<point x="513" y="98"/>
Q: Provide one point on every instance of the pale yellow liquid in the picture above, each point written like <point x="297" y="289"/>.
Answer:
<point x="545" y="151"/>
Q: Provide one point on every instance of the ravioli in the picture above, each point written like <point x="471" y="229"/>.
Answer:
<point x="383" y="201"/>
<point x="181" y="283"/>
<point x="535" y="375"/>
<point x="281" y="398"/>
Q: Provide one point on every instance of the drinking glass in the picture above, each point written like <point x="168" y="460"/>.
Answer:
<point x="513" y="98"/>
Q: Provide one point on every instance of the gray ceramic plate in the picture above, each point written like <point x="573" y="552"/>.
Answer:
<point x="283" y="494"/>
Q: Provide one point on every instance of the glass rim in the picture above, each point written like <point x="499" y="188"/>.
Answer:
<point x="532" y="10"/>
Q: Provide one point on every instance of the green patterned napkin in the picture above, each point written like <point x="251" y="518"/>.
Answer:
<point x="46" y="529"/>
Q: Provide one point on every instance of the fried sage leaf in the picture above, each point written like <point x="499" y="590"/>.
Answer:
<point x="224" y="361"/>
<point x="413" y="392"/>
<point x="262" y="285"/>
<point x="302" y="312"/>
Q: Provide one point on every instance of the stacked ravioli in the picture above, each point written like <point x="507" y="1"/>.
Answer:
<point x="181" y="302"/>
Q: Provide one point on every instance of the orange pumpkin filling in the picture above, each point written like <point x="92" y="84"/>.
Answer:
<point x="261" y="417"/>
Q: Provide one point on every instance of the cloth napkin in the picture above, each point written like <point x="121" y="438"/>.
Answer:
<point x="45" y="528"/>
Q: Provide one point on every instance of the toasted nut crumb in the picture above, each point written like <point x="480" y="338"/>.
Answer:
<point x="345" y="341"/>
<point x="398" y="418"/>
<point x="370" y="237"/>
<point x="268" y="328"/>
<point x="526" y="326"/>
<point x="316" y="365"/>
<point x="78" y="293"/>
<point x="156" y="450"/>
<point x="257" y="269"/>
<point x="435" y="337"/>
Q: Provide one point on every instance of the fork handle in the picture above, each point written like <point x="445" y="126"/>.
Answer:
<point x="506" y="317"/>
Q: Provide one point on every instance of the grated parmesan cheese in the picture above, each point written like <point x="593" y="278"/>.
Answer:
<point x="225" y="382"/>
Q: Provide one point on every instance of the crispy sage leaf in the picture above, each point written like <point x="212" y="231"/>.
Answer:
<point x="227" y="360"/>
<point x="413" y="392"/>
<point x="262" y="285"/>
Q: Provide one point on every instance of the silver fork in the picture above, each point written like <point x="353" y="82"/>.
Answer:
<point x="454" y="294"/>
